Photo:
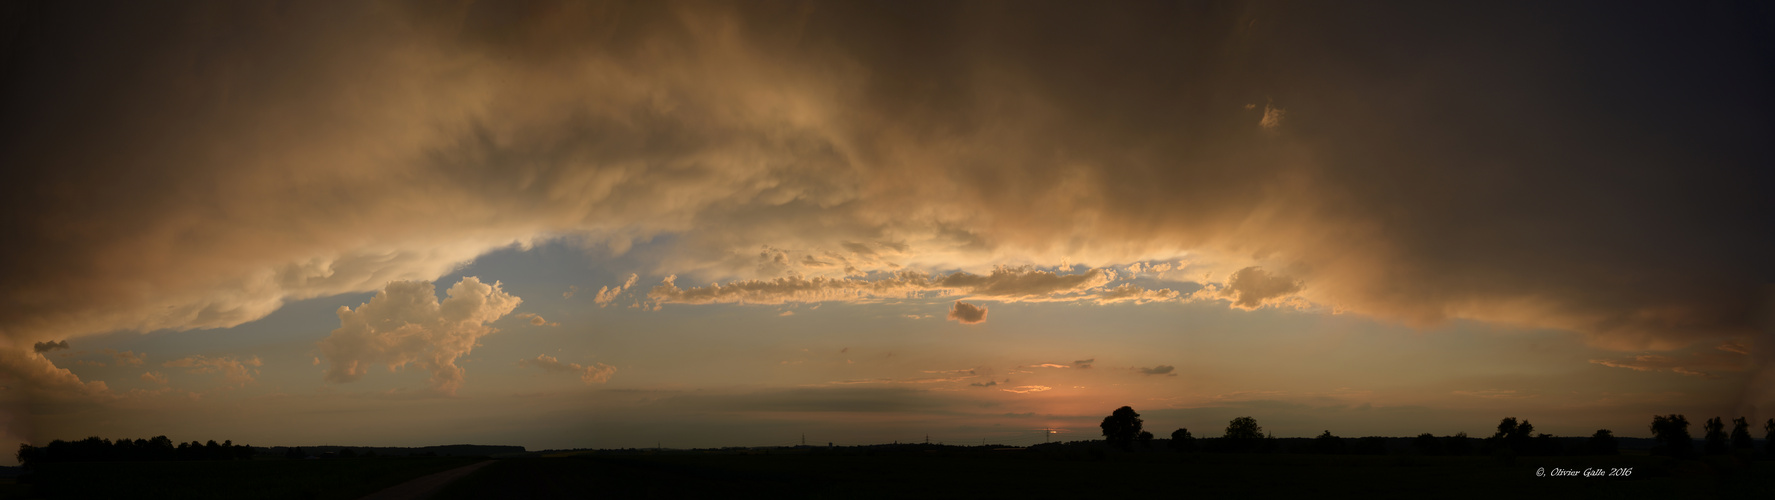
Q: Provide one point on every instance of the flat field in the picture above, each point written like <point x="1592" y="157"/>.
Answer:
<point x="263" y="478"/>
<point x="1001" y="474"/>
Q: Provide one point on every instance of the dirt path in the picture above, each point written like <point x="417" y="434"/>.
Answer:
<point x="425" y="486"/>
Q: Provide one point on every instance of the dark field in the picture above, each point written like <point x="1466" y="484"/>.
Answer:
<point x="267" y="478"/>
<point x="1001" y="474"/>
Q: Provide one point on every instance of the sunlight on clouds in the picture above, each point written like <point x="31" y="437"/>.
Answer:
<point x="405" y="323"/>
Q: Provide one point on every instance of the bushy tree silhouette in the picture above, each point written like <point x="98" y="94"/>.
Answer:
<point x="1672" y="433"/>
<point x="1715" y="429"/>
<point x="1121" y="428"/>
<point x="1741" y="439"/>
<point x="1602" y="443"/>
<point x="1181" y="440"/>
<point x="1512" y="436"/>
<point x="1242" y="435"/>
<point x="1769" y="436"/>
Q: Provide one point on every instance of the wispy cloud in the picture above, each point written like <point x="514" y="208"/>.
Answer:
<point x="595" y="373"/>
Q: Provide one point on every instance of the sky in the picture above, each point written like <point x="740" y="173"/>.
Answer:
<point x="702" y="224"/>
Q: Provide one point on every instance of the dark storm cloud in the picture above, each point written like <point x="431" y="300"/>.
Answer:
<point x="43" y="347"/>
<point x="1601" y="170"/>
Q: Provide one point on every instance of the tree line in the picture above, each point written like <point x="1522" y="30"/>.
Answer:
<point x="156" y="449"/>
<point x="1122" y="429"/>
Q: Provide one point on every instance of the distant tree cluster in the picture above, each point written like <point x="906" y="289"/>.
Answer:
<point x="1122" y="430"/>
<point x="159" y="448"/>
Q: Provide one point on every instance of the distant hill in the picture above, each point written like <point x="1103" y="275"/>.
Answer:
<point x="451" y="450"/>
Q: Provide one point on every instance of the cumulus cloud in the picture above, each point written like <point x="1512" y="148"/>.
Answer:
<point x="1272" y="117"/>
<point x="43" y="347"/>
<point x="37" y="373"/>
<point x="1159" y="370"/>
<point x="1083" y="363"/>
<point x="154" y="378"/>
<point x="607" y="294"/>
<point x="967" y="314"/>
<point x="1026" y="389"/>
<point x="537" y="320"/>
<point x="405" y="323"/>
<point x="596" y="373"/>
<point x="234" y="371"/>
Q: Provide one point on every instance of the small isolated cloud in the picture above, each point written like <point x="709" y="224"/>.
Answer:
<point x="607" y="294"/>
<point x="570" y="291"/>
<point x="43" y="347"/>
<point x="967" y="314"/>
<point x="1272" y="117"/>
<point x="127" y="358"/>
<point x="1084" y="364"/>
<point x="537" y="320"/>
<point x="1026" y="389"/>
<point x="988" y="383"/>
<point x="1160" y="370"/>
<point x="155" y="377"/>
<point x="234" y="371"/>
<point x="597" y="373"/>
<point x="406" y="324"/>
<point x="787" y="313"/>
<point x="1050" y="365"/>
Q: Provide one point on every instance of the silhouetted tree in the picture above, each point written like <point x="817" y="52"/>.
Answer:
<point x="1242" y="435"/>
<point x="1427" y="444"/>
<point x="1741" y="439"/>
<point x="1512" y="436"/>
<point x="1716" y="436"/>
<point x="1672" y="433"/>
<point x="1769" y="436"/>
<point x="1602" y="443"/>
<point x="1121" y="427"/>
<point x="1181" y="440"/>
<point x="1327" y="444"/>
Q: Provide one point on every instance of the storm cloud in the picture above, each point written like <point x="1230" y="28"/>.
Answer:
<point x="1413" y="163"/>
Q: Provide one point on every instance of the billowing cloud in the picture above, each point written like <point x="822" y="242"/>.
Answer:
<point x="37" y="373"/>
<point x="596" y="373"/>
<point x="406" y="324"/>
<point x="1026" y="389"/>
<point x="1159" y="370"/>
<point x="607" y="294"/>
<point x="1250" y="288"/>
<point x="418" y="137"/>
<point x="235" y="371"/>
<point x="43" y="347"/>
<point x="967" y="314"/>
